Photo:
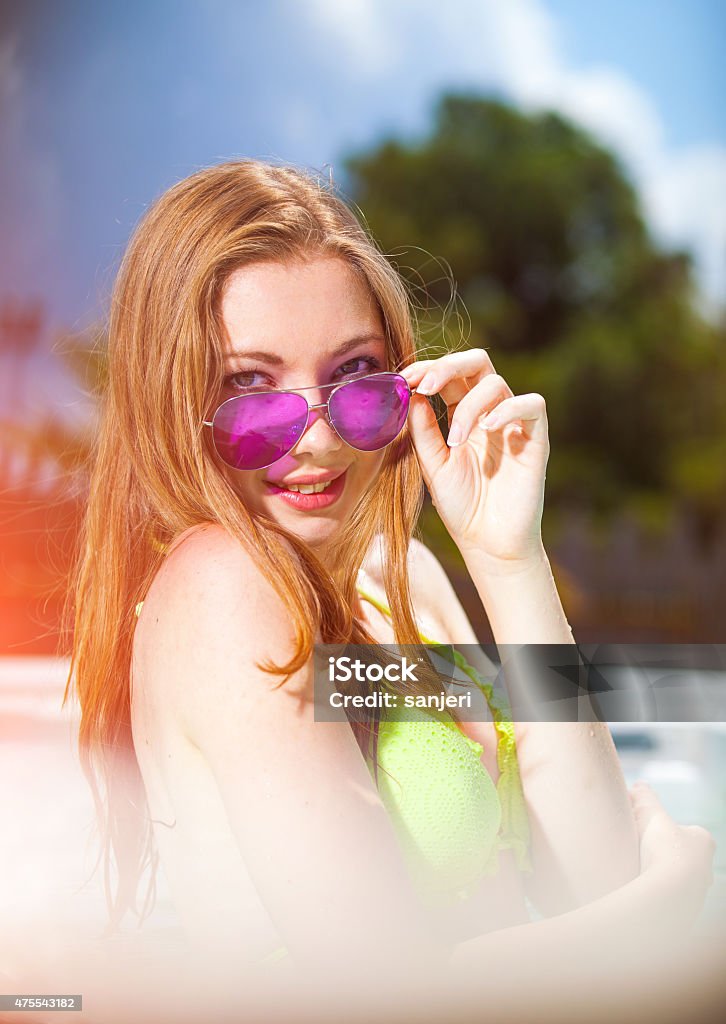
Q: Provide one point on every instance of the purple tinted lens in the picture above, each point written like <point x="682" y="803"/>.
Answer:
<point x="369" y="413"/>
<point x="253" y="431"/>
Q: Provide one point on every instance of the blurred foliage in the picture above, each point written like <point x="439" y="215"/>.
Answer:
<point x="46" y="437"/>
<point x="86" y="356"/>
<point x="561" y="282"/>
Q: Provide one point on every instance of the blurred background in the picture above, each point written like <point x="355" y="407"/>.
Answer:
<point x="549" y="175"/>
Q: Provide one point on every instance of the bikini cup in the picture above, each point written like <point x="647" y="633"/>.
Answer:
<point x="452" y="820"/>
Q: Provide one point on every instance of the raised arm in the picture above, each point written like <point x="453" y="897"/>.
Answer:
<point x="584" y="840"/>
<point x="487" y="483"/>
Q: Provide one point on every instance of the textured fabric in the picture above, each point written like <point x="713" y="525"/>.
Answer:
<point x="441" y="801"/>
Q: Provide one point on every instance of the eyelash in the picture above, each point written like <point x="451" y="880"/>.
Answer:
<point x="230" y="380"/>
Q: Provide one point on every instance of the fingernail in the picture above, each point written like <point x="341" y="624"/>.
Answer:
<point x="427" y="385"/>
<point x="456" y="435"/>
<point x="492" y="422"/>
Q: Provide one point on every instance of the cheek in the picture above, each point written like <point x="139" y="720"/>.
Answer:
<point x="244" y="484"/>
<point x="369" y="466"/>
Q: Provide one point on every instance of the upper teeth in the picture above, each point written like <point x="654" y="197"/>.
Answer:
<point x="309" y="488"/>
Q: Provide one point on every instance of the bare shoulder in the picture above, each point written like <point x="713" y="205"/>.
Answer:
<point x="204" y="569"/>
<point x="424" y="566"/>
<point x="422" y="562"/>
<point x="209" y="606"/>
<point x="429" y="577"/>
<point x="207" y="562"/>
<point x="433" y="593"/>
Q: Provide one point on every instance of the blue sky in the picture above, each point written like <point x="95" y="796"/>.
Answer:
<point x="105" y="105"/>
<point x="673" y="49"/>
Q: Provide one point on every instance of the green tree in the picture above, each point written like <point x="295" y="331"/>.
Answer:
<point x="564" y="285"/>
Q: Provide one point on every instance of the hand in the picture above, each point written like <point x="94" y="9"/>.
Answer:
<point x="489" y="487"/>
<point x="684" y="851"/>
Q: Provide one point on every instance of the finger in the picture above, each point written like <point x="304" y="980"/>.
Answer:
<point x="473" y="362"/>
<point x="641" y="792"/>
<point x="644" y="816"/>
<point x="709" y="847"/>
<point x="430" y="379"/>
<point x="426" y="437"/>
<point x="645" y="804"/>
<point x="703" y="834"/>
<point x="482" y="398"/>
<point x="414" y="372"/>
<point x="529" y="410"/>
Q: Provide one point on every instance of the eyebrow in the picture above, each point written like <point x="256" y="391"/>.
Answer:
<point x="275" y="360"/>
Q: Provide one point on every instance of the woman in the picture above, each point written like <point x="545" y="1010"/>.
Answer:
<point x="260" y="349"/>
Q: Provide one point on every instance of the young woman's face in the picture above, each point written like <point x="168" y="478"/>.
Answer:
<point x="292" y="325"/>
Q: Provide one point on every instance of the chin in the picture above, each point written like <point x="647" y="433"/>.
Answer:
<point x="314" y="534"/>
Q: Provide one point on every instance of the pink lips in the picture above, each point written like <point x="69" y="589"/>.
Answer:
<point x="311" y="502"/>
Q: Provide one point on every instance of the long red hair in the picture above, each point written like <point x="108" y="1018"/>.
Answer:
<point x="154" y="472"/>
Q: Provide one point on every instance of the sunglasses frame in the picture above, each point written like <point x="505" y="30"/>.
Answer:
<point x="319" y="405"/>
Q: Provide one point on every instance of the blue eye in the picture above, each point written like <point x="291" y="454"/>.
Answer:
<point x="244" y="379"/>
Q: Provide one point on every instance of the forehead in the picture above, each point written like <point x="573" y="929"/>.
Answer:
<point x="296" y="308"/>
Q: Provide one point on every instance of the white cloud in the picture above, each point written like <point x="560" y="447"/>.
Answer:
<point x="360" y="28"/>
<point x="686" y="201"/>
<point x="515" y="45"/>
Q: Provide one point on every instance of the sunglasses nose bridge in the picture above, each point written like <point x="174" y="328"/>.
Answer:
<point x="312" y="439"/>
<point x="316" y="411"/>
<point x="317" y="399"/>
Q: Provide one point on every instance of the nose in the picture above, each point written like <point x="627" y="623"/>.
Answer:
<point x="319" y="436"/>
